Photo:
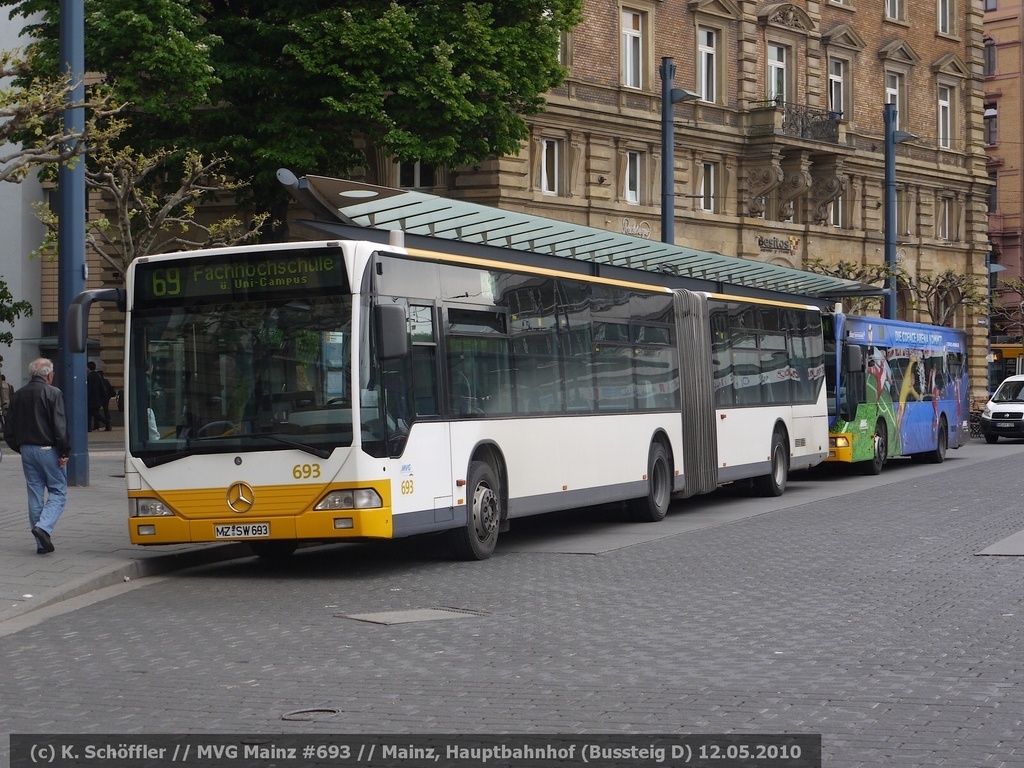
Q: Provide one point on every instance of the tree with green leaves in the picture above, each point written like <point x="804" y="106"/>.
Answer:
<point x="310" y="85"/>
<point x="10" y="310"/>
<point x="31" y="108"/>
<point x="147" y="216"/>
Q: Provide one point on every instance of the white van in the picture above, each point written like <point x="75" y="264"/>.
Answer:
<point x="1004" y="412"/>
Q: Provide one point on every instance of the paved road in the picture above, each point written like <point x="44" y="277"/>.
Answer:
<point x="857" y="608"/>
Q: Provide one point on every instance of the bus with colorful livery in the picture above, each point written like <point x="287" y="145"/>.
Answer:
<point x="894" y="389"/>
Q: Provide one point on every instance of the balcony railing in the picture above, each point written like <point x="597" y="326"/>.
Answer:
<point x="801" y="121"/>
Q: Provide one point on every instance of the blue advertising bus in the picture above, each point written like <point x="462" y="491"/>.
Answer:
<point x="894" y="388"/>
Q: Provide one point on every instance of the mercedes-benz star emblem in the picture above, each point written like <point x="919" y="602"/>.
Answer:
<point x="241" y="497"/>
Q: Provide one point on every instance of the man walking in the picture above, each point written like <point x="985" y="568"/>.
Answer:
<point x="37" y="428"/>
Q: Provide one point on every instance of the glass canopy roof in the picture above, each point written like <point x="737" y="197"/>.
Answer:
<point x="416" y="213"/>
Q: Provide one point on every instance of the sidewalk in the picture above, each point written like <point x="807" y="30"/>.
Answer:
<point x="91" y="538"/>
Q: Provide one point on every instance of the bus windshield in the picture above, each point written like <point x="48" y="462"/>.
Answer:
<point x="240" y="376"/>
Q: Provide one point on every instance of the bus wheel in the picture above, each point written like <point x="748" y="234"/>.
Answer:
<point x="941" y="443"/>
<point x="774" y="483"/>
<point x="476" y="541"/>
<point x="273" y="550"/>
<point x="654" y="506"/>
<point x="873" y="466"/>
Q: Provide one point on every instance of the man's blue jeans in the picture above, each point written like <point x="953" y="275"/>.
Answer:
<point x="47" y="484"/>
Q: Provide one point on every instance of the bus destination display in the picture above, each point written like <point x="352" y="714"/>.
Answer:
<point x="240" y="276"/>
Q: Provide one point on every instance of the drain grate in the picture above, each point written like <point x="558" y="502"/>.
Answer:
<point x="311" y="714"/>
<point x="412" y="615"/>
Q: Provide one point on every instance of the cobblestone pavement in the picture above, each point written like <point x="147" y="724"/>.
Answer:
<point x="91" y="537"/>
<point x="867" y="617"/>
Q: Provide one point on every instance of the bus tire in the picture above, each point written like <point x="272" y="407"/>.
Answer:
<point x="273" y="550"/>
<point x="478" y="538"/>
<point x="941" y="444"/>
<point x="653" y="507"/>
<point x="880" y="445"/>
<point x="774" y="483"/>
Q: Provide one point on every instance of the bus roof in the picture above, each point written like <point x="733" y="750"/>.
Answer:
<point x="354" y="210"/>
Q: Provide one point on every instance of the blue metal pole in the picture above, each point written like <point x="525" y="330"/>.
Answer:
<point x="889" y="117"/>
<point x="668" y="162"/>
<point x="71" y="265"/>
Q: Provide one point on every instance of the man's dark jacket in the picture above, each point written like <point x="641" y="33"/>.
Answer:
<point x="37" y="417"/>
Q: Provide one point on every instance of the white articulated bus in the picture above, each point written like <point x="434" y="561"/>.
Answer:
<point x="337" y="390"/>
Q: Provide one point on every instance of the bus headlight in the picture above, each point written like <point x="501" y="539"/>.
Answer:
<point x="839" y="441"/>
<point x="148" y="508"/>
<point x="353" y="498"/>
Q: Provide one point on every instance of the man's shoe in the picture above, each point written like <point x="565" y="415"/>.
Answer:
<point x="41" y="551"/>
<point x="43" y="538"/>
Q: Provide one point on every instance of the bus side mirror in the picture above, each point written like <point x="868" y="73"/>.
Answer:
<point x="78" y="315"/>
<point x="854" y="358"/>
<point x="392" y="331"/>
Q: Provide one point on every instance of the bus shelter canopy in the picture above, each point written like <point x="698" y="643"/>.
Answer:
<point x="356" y="204"/>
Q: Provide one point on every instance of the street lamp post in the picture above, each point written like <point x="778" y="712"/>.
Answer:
<point x="669" y="97"/>
<point x="892" y="138"/>
<point x="71" y="266"/>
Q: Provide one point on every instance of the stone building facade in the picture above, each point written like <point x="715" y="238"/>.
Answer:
<point x="1002" y="67"/>
<point x="780" y="155"/>
<point x="778" y="145"/>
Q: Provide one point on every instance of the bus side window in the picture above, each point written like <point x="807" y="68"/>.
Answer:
<point x="424" y="361"/>
<point x="478" y="359"/>
<point x="535" y="356"/>
<point x="721" y="359"/>
<point x="577" y="347"/>
<point x="775" y="368"/>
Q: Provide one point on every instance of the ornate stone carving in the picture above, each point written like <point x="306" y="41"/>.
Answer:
<point x="824" y="192"/>
<point x="788" y="17"/>
<point x="761" y="181"/>
<point x="794" y="185"/>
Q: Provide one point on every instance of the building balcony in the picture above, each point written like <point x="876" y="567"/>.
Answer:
<point x="781" y="118"/>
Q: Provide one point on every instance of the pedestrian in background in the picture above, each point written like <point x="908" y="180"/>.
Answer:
<point x="6" y="390"/>
<point x="97" y="389"/>
<point x="37" y="428"/>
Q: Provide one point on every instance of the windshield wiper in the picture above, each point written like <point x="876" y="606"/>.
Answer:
<point x="193" y="448"/>
<point x="322" y="453"/>
<point x="166" y="457"/>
